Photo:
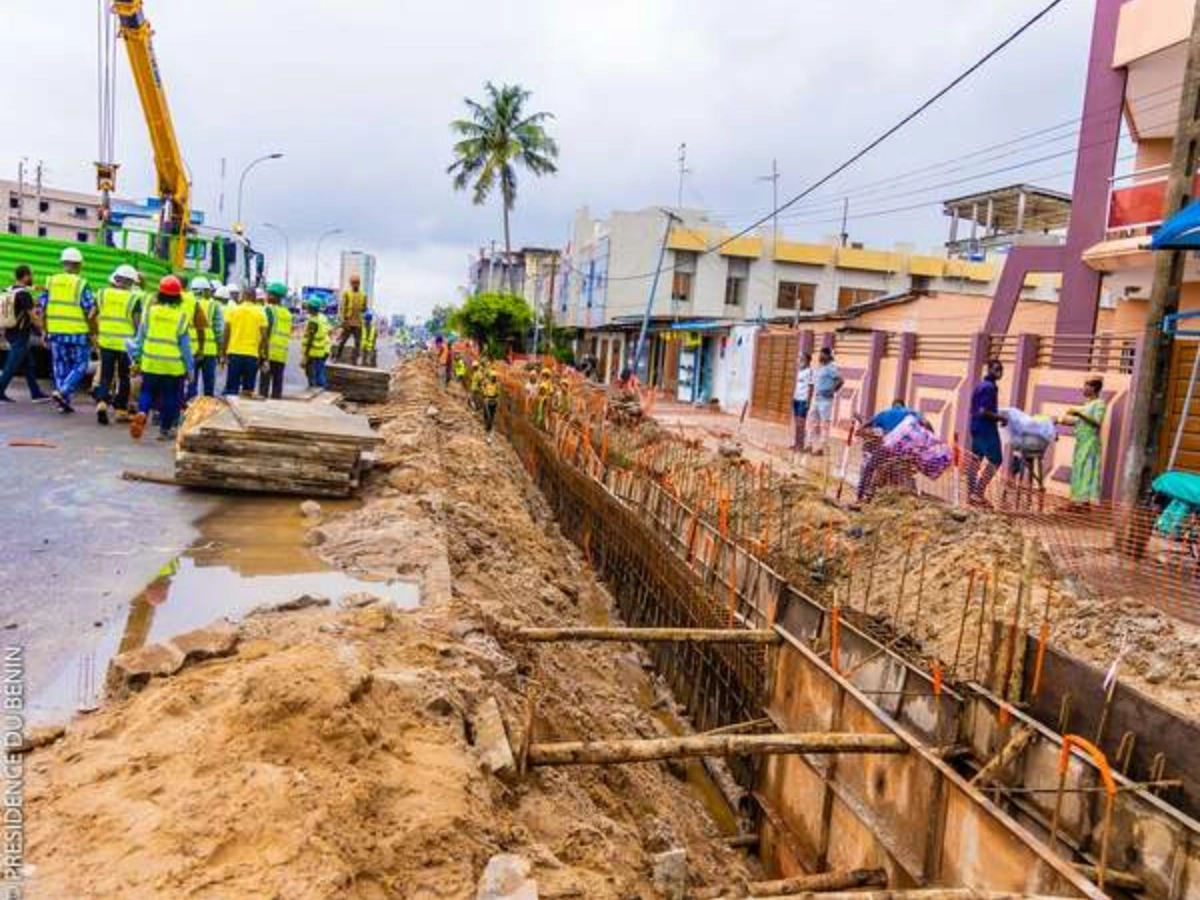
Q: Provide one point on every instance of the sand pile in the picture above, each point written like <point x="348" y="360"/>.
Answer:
<point x="338" y="752"/>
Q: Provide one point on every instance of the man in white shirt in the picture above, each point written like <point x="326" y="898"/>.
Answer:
<point x="801" y="397"/>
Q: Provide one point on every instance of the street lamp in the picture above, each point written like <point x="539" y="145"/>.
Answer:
<point x="317" y="262"/>
<point x="242" y="184"/>
<point x="287" y="253"/>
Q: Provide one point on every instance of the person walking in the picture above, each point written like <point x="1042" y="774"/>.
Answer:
<point x="350" y="311"/>
<point x="69" y="311"/>
<point x="162" y="351"/>
<point x="370" y="334"/>
<point x="801" y="399"/>
<point x="491" y="400"/>
<point x="315" y="347"/>
<point x="198" y="334"/>
<point x="827" y="381"/>
<point x="19" y="335"/>
<point x="1085" y="461"/>
<point x="986" y="452"/>
<point x="244" y="344"/>
<point x="204" y="377"/>
<point x="279" y="323"/>
<point x="119" y="316"/>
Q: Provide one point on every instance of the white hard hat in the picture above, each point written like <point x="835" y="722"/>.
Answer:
<point x="199" y="283"/>
<point x="126" y="271"/>
<point x="260" y="294"/>
<point x="222" y="292"/>
<point x="71" y="255"/>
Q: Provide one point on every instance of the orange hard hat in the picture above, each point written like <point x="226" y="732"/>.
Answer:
<point x="170" y="286"/>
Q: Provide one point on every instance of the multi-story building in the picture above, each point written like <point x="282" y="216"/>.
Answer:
<point x="356" y="262"/>
<point x="712" y="282"/>
<point x="530" y="272"/>
<point x="49" y="212"/>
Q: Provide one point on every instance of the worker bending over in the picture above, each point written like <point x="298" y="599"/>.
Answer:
<point x="315" y="349"/>
<point x="279" y="323"/>
<point x="350" y="311"/>
<point x="244" y="345"/>
<point x="370" y="333"/>
<point x="119" y="315"/>
<point x="214" y="324"/>
<point x="69" y="314"/>
<point x="162" y="351"/>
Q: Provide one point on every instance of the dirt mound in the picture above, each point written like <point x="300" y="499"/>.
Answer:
<point x="333" y="755"/>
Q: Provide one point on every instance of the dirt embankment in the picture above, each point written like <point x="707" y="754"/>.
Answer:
<point x="332" y="756"/>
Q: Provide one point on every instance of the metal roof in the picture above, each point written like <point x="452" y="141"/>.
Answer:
<point x="1045" y="210"/>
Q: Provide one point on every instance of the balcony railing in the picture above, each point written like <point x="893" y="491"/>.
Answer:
<point x="1136" y="201"/>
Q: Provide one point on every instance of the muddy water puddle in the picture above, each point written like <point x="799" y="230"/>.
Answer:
<point x="250" y="552"/>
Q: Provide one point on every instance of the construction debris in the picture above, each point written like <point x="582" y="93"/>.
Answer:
<point x="823" y="881"/>
<point x="358" y="384"/>
<point x="601" y="752"/>
<point x="653" y="635"/>
<point x="273" y="446"/>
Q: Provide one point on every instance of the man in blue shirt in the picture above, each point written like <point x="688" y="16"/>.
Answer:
<point x="880" y="463"/>
<point x="986" y="452"/>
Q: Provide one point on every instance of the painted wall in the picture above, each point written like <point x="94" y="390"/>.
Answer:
<point x="735" y="368"/>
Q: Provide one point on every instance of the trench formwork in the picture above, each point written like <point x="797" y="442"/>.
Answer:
<point x="912" y="815"/>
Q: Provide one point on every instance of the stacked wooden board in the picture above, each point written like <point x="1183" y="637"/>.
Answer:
<point x="358" y="383"/>
<point x="310" y="448"/>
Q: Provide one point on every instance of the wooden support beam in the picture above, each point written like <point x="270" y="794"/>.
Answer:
<point x="697" y="635"/>
<point x="823" y="881"/>
<point x="914" y="894"/>
<point x="1113" y="878"/>
<point x="571" y="753"/>
<point x="1016" y="743"/>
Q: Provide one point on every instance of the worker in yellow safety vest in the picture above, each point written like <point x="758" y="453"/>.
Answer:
<point x="279" y="324"/>
<point x="213" y="315"/>
<point x="119" y="308"/>
<point x="244" y="344"/>
<point x="162" y="352"/>
<point x="315" y="350"/>
<point x="491" y="398"/>
<point x="370" y="332"/>
<point x="197" y="325"/>
<point x="351" y="310"/>
<point x="69" y="314"/>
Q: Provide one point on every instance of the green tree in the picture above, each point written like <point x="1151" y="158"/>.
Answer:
<point x="439" y="319"/>
<point x="499" y="136"/>
<point x="492" y="320"/>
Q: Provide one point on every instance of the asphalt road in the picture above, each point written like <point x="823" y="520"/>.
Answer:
<point x="77" y="542"/>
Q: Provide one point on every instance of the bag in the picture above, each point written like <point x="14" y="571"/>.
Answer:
<point x="8" y="309"/>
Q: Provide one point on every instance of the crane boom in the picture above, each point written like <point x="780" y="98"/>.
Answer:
<point x="173" y="186"/>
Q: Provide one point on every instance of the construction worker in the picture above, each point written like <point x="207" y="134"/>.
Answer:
<point x="69" y="313"/>
<point x="162" y="351"/>
<point x="491" y="399"/>
<point x="460" y="368"/>
<point x="119" y="307"/>
<point x="545" y="389"/>
<point x="197" y="325"/>
<point x="279" y="320"/>
<point x="315" y="349"/>
<point x="206" y="357"/>
<point x="350" y="311"/>
<point x="27" y="320"/>
<point x="370" y="333"/>
<point x="244" y="344"/>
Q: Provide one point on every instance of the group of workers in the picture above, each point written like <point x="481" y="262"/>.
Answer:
<point x="478" y="377"/>
<point x="174" y="337"/>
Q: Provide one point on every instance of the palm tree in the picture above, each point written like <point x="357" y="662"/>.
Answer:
<point x="497" y="137"/>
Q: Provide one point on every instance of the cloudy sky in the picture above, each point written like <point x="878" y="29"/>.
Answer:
<point x="358" y="94"/>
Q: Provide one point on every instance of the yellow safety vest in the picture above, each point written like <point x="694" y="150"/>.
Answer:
<point x="210" y="341"/>
<point x="281" y="333"/>
<point x="187" y="303"/>
<point x="116" y="317"/>
<point x="491" y="389"/>
<point x="162" y="352"/>
<point x="368" y="335"/>
<point x="64" y="315"/>
<point x="354" y="304"/>
<point x="319" y="348"/>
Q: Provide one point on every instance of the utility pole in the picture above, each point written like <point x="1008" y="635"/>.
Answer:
<point x="37" y="210"/>
<point x="683" y="170"/>
<point x="774" y="179"/>
<point x="20" y="193"/>
<point x="1147" y="405"/>
<point x="662" y="252"/>
<point x="845" y="235"/>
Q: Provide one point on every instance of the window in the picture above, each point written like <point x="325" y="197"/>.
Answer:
<point x="80" y="212"/>
<point x="849" y="296"/>
<point x="683" y="275"/>
<point x="14" y="228"/>
<point x="81" y="237"/>
<point x="14" y="202"/>
<point x="41" y="231"/>
<point x="44" y="205"/>
<point x="796" y="295"/>
<point x="736" y="275"/>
